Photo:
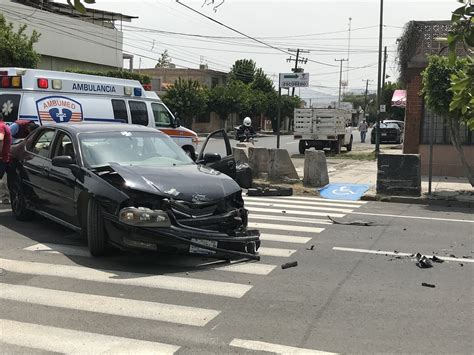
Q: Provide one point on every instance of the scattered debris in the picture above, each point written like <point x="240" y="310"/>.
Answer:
<point x="461" y="264"/>
<point x="404" y="229"/>
<point x="423" y="262"/>
<point x="436" y="259"/>
<point x="452" y="255"/>
<point x="283" y="211"/>
<point x="270" y="191"/>
<point x="466" y="256"/>
<point x="428" y="285"/>
<point x="288" y="265"/>
<point x="311" y="247"/>
<point x="396" y="251"/>
<point x="352" y="223"/>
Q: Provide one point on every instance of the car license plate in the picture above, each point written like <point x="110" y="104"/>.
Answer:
<point x="384" y="134"/>
<point x="197" y="250"/>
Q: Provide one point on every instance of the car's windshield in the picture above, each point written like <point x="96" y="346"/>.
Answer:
<point x="130" y="148"/>
<point x="389" y="125"/>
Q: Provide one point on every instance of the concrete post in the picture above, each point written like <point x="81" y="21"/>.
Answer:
<point x="315" y="169"/>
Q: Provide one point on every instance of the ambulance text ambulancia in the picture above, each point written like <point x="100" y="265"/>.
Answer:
<point x="58" y="97"/>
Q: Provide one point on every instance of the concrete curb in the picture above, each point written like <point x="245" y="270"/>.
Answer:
<point x="418" y="200"/>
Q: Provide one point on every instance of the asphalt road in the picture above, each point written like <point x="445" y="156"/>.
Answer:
<point x="353" y="290"/>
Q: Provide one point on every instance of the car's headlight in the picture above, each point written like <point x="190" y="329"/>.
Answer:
<point x="144" y="217"/>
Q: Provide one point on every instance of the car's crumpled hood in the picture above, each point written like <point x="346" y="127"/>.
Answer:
<point x="194" y="183"/>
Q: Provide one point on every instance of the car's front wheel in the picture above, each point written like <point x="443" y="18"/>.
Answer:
<point x="18" y="202"/>
<point x="96" y="238"/>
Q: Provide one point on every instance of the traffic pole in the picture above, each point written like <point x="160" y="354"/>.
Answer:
<point x="278" y="116"/>
<point x="379" y="82"/>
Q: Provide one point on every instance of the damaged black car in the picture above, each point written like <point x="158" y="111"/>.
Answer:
<point x="134" y="188"/>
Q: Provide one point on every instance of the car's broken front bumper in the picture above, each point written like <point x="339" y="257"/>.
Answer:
<point x="220" y="236"/>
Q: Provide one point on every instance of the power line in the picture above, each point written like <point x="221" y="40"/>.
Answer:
<point x="243" y="34"/>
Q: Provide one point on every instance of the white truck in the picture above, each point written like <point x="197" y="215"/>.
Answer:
<point x="323" y="128"/>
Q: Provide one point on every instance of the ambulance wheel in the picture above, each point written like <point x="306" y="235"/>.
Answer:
<point x="190" y="152"/>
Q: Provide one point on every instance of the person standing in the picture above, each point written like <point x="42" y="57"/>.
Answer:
<point x="20" y="129"/>
<point x="363" y="131"/>
<point x="5" y="144"/>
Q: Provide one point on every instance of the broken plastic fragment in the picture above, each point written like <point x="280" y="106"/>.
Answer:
<point x="172" y="192"/>
<point x="352" y="223"/>
<point x="437" y="260"/>
<point x="423" y="262"/>
<point x="428" y="285"/>
<point x="288" y="265"/>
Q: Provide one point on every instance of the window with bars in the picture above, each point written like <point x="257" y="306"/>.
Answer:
<point x="436" y="126"/>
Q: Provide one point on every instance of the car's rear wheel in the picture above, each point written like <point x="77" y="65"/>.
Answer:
<point x="349" y="146"/>
<point x="18" y="202"/>
<point x="96" y="238"/>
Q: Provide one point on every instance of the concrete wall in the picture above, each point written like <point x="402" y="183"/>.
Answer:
<point x="414" y="112"/>
<point x="446" y="161"/>
<point x="60" y="64"/>
<point x="170" y="75"/>
<point x="66" y="38"/>
<point x="214" y="124"/>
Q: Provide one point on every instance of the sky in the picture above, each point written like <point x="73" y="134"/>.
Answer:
<point x="321" y="27"/>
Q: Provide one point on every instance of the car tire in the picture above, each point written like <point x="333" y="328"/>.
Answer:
<point x="18" y="202"/>
<point x="349" y="146"/>
<point x="302" y="146"/>
<point x="96" y="239"/>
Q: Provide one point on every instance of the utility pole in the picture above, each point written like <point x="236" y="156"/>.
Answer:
<point x="384" y="67"/>
<point x="297" y="60"/>
<point x="346" y="86"/>
<point x="379" y="81"/>
<point x="340" y="80"/>
<point x="366" y="93"/>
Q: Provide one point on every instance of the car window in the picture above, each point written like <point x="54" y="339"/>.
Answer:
<point x="216" y="144"/>
<point x="64" y="146"/>
<point x="42" y="144"/>
<point x="162" y="116"/>
<point x="120" y="110"/>
<point x="139" y="112"/>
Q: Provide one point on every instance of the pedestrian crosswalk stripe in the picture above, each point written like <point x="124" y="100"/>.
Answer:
<point x="70" y="341"/>
<point x="295" y="212"/>
<point x="273" y="348"/>
<point x="249" y="268"/>
<point x="174" y="283"/>
<point x="285" y="253"/>
<point x="108" y="305"/>
<point x="288" y="219"/>
<point x="299" y="202"/>
<point x="71" y="250"/>
<point x="284" y="238"/>
<point x="300" y="198"/>
<point x="290" y="206"/>
<point x="282" y="227"/>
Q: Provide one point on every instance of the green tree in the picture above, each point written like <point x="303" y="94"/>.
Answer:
<point x="164" y="61"/>
<point x="16" y="48"/>
<point x="438" y="93"/>
<point x="187" y="98"/>
<point x="243" y="70"/>
<point x="261" y="82"/>
<point x="232" y="98"/>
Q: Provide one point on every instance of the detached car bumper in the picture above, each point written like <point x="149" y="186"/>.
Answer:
<point x="189" y="236"/>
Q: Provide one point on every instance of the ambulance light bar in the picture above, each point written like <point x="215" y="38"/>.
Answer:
<point x="43" y="83"/>
<point x="10" y="82"/>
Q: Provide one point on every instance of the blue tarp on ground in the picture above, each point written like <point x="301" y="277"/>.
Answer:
<point x="351" y="192"/>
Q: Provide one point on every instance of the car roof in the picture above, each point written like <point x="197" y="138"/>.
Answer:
<point x="75" y="128"/>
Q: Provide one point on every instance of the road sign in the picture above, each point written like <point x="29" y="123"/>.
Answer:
<point x="293" y="80"/>
<point x="344" y="191"/>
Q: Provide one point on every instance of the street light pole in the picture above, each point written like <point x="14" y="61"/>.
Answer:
<point x="379" y="81"/>
<point x="340" y="81"/>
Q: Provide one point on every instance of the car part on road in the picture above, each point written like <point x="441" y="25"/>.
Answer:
<point x="244" y="175"/>
<point x="311" y="247"/>
<point x="270" y="191"/>
<point x="437" y="260"/>
<point x="423" y="262"/>
<point x="288" y="265"/>
<point x="427" y="285"/>
<point x="352" y="223"/>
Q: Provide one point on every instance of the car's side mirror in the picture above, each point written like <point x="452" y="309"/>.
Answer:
<point x="211" y="158"/>
<point x="63" y="161"/>
<point x="177" y="122"/>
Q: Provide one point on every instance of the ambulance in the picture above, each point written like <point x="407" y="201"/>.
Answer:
<point x="58" y="97"/>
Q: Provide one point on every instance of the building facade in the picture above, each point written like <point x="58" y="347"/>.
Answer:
<point x="70" y="39"/>
<point x="423" y="127"/>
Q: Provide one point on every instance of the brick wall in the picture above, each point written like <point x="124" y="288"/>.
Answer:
<point x="414" y="112"/>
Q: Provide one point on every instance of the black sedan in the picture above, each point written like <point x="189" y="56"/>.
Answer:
<point x="389" y="133"/>
<point x="132" y="187"/>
